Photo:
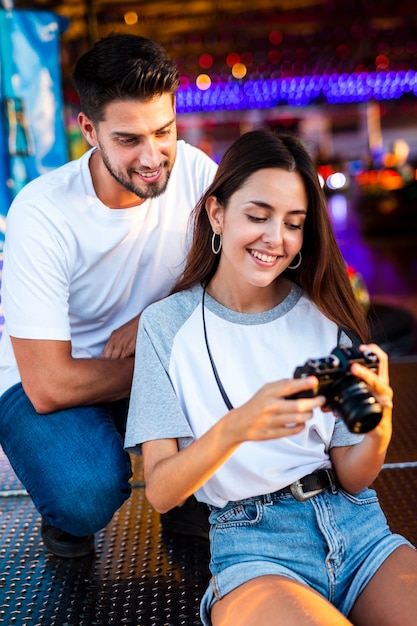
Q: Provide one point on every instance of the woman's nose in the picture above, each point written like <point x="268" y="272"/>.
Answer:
<point x="273" y="232"/>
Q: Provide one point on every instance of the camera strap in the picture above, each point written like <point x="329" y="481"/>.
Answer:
<point x="352" y="336"/>
<point x="213" y="365"/>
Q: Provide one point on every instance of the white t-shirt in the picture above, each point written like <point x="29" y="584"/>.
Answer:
<point x="175" y="394"/>
<point x="76" y="270"/>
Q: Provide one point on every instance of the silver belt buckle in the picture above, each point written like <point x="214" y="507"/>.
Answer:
<point x="298" y="493"/>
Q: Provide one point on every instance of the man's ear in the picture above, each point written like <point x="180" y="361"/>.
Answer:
<point x="215" y="214"/>
<point x="88" y="129"/>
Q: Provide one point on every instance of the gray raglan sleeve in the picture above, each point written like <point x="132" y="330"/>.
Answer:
<point x="154" y="410"/>
<point x="342" y="436"/>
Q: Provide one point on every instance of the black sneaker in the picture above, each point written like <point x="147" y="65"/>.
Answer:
<point x="190" y="519"/>
<point x="65" y="545"/>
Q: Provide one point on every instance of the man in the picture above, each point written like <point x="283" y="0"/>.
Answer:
<point x="88" y="247"/>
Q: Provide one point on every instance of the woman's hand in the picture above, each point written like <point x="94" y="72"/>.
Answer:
<point x="357" y="466"/>
<point x="378" y="383"/>
<point x="269" y="415"/>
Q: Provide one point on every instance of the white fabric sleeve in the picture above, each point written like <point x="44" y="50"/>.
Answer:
<point x="36" y="267"/>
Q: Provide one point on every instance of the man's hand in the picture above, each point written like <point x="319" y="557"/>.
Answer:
<point x="122" y="341"/>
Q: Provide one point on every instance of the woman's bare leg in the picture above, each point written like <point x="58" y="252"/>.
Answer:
<point x="390" y="597"/>
<point x="275" y="600"/>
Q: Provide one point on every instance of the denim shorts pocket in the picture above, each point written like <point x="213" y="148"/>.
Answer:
<point x="242" y="513"/>
<point x="364" y="497"/>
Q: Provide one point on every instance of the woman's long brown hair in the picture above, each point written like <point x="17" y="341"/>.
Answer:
<point x="322" y="274"/>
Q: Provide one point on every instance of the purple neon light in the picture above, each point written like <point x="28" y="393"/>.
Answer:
<point x="297" y="91"/>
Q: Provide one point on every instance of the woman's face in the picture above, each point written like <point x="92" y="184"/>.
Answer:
<point x="262" y="227"/>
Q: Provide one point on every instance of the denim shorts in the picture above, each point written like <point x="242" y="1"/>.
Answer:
<point x="333" y="542"/>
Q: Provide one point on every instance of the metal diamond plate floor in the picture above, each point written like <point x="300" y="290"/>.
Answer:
<point x="138" y="576"/>
<point x="141" y="577"/>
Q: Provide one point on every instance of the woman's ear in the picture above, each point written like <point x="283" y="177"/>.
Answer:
<point x="215" y="214"/>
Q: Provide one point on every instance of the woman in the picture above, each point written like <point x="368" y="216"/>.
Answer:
<point x="296" y="535"/>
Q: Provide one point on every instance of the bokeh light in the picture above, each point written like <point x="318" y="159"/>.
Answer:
<point x="232" y="58"/>
<point x="203" y="82"/>
<point x="275" y="37"/>
<point x="239" y="70"/>
<point x="382" y="62"/>
<point x="205" y="61"/>
<point x="130" y="18"/>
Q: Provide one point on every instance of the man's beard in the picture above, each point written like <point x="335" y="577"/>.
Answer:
<point x="152" y="190"/>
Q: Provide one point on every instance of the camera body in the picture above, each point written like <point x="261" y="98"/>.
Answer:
<point x="346" y="395"/>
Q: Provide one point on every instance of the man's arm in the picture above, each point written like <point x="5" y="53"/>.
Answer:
<point x="54" y="380"/>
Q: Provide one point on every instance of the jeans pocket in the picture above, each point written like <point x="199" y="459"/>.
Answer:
<point x="243" y="513"/>
<point x="363" y="498"/>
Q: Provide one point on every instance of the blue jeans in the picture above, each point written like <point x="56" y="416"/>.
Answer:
<point x="333" y="543"/>
<point x="71" y="462"/>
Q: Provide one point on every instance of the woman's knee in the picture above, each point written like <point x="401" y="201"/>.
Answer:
<point x="261" y="599"/>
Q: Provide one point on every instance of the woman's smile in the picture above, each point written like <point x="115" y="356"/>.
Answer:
<point x="262" y="256"/>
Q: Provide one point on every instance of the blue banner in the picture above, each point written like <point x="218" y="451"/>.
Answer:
<point x="32" y="129"/>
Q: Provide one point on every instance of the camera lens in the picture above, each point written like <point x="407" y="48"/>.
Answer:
<point x="355" y="404"/>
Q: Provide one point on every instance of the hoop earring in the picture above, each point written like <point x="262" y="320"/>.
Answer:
<point x="213" y="243"/>
<point x="294" y="267"/>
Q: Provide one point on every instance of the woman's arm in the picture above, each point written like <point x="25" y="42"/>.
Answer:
<point x="171" y="476"/>
<point x="358" y="466"/>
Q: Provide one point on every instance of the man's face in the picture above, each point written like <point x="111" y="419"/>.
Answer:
<point x="137" y="145"/>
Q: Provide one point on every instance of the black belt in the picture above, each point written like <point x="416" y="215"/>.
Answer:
<point x="311" y="485"/>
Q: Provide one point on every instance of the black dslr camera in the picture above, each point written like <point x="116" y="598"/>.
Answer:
<point x="349" y="397"/>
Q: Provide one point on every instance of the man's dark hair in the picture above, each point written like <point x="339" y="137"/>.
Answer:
<point x="123" y="67"/>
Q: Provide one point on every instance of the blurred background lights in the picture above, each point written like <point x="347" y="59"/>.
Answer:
<point x="203" y="82"/>
<point x="336" y="181"/>
<point x="274" y="56"/>
<point x="382" y="62"/>
<point x="232" y="58"/>
<point x="184" y="81"/>
<point x="343" y="51"/>
<point x="275" y="37"/>
<point x="338" y="208"/>
<point x="247" y="58"/>
<point x="239" y="70"/>
<point x="131" y="17"/>
<point x="205" y="61"/>
<point x="295" y="91"/>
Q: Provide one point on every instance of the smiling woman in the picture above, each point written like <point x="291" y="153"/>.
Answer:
<point x="262" y="232"/>
<point x="216" y="411"/>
